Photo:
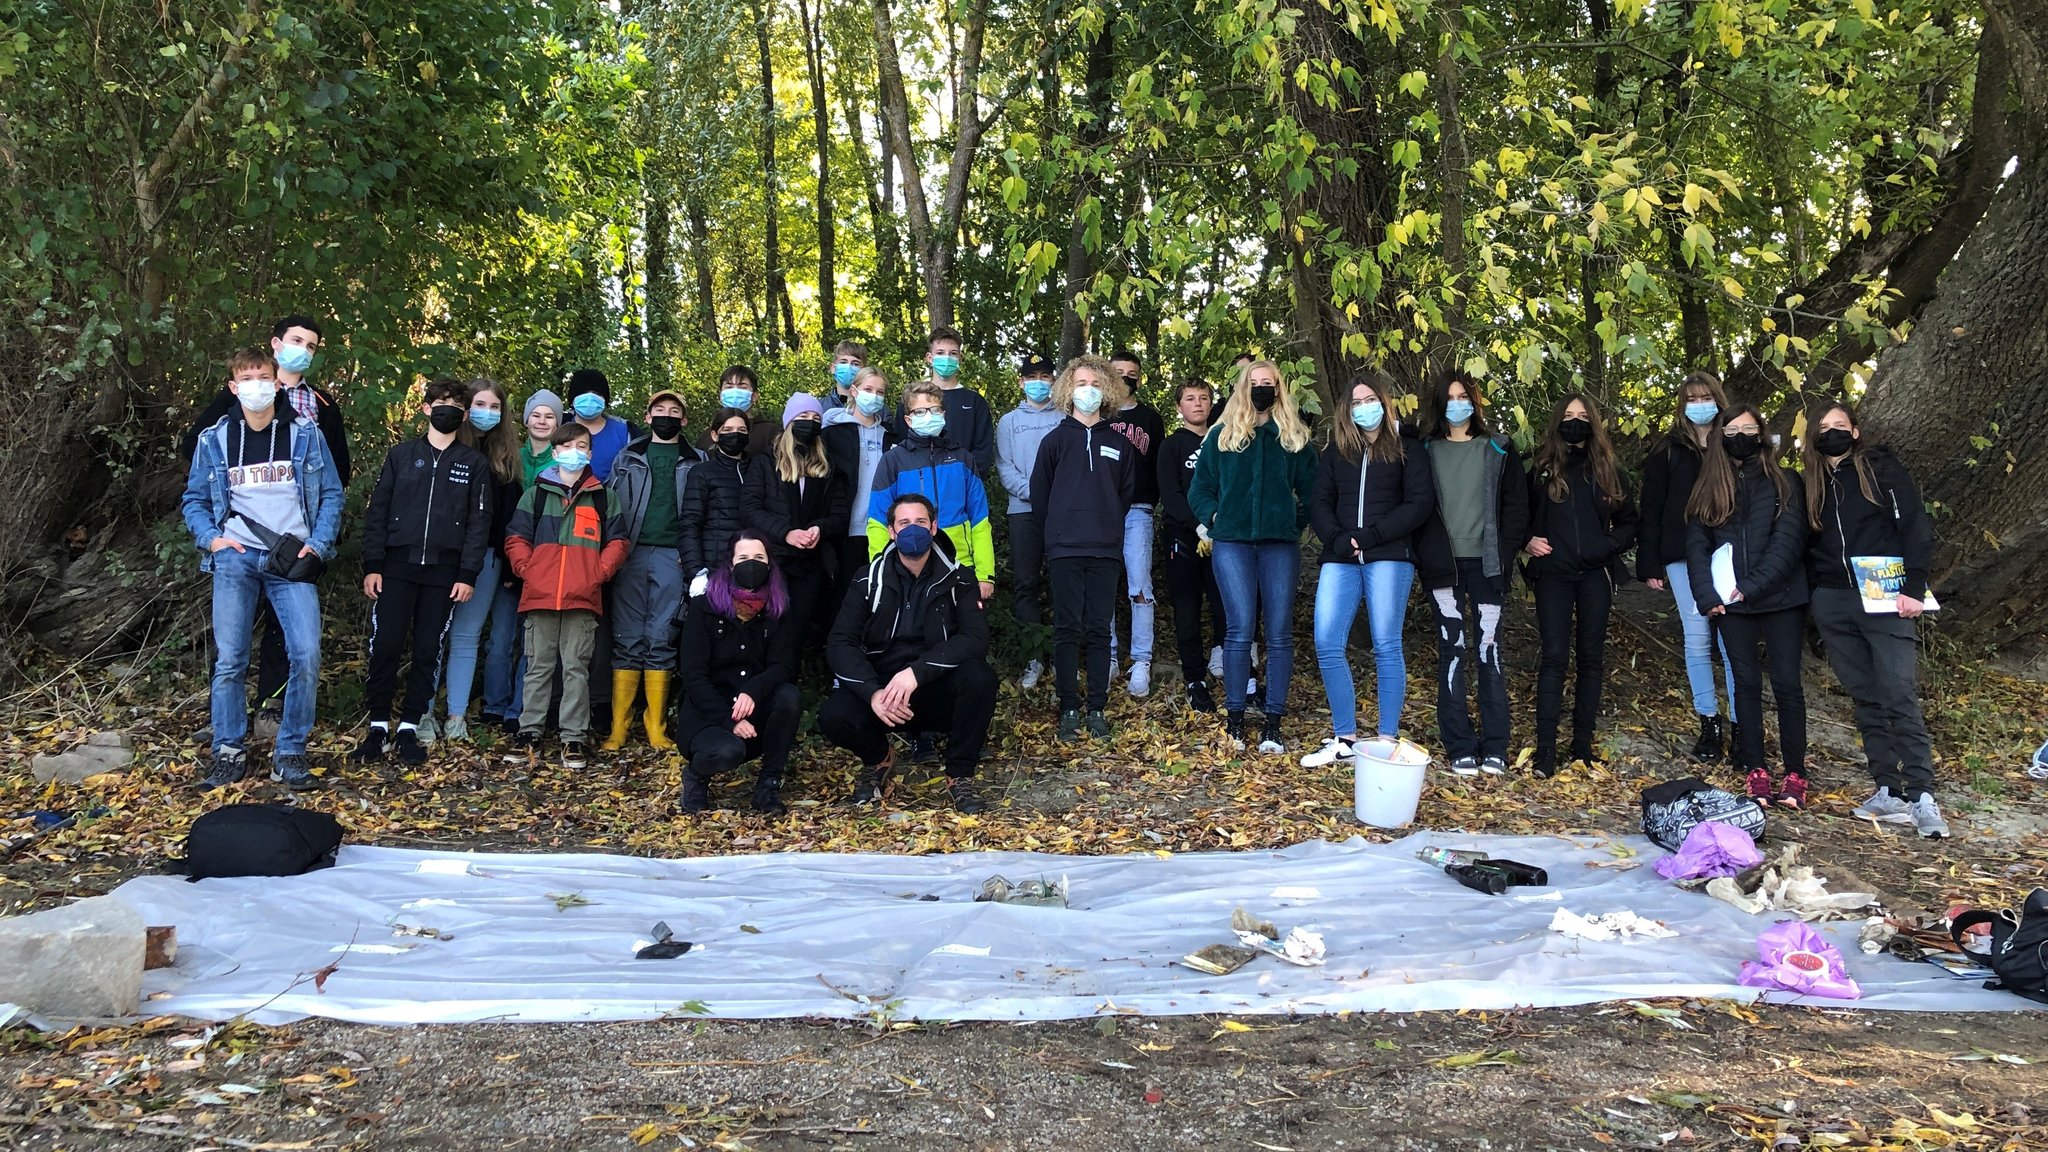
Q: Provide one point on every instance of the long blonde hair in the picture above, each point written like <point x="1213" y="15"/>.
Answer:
<point x="1114" y="392"/>
<point x="790" y="466"/>
<point x="498" y="445"/>
<point x="1239" y="418"/>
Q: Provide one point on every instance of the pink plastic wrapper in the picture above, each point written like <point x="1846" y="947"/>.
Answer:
<point x="1711" y="849"/>
<point x="1797" y="959"/>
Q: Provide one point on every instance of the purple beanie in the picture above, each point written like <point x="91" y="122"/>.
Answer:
<point x="799" y="404"/>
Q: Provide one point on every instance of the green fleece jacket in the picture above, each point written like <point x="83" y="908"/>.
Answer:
<point x="1259" y="493"/>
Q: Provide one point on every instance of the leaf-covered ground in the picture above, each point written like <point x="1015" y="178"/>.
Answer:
<point x="1708" y="1076"/>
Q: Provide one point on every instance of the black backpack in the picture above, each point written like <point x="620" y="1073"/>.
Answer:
<point x="1672" y="808"/>
<point x="2019" y="945"/>
<point x="259" y="840"/>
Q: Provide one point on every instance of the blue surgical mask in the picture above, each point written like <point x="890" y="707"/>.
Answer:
<point x="913" y="540"/>
<point x="928" y="423"/>
<point x="571" y="459"/>
<point x="1087" y="398"/>
<point x="484" y="419"/>
<point x="843" y="374"/>
<point x="945" y="367"/>
<point x="869" y="403"/>
<point x="1702" y="412"/>
<point x="589" y="405"/>
<point x="1368" y="415"/>
<point x="294" y="358"/>
<point x="1038" y="391"/>
<point x="740" y="398"/>
<point x="1458" y="411"/>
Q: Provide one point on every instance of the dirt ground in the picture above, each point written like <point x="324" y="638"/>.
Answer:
<point x="1681" y="1075"/>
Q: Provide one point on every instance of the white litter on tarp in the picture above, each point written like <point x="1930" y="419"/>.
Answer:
<point x="848" y="935"/>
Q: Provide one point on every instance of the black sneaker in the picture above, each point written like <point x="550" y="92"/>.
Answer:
<point x="509" y="725"/>
<point x="572" y="755"/>
<point x="1584" y="752"/>
<point x="1199" y="698"/>
<point x="409" y="748"/>
<point x="768" y="798"/>
<point x="1098" y="725"/>
<point x="1233" y="730"/>
<point x="1070" y="726"/>
<point x="1545" y="764"/>
<point x="292" y="772"/>
<point x="229" y="767"/>
<point x="522" y="747"/>
<point x="923" y="750"/>
<point x="867" y="788"/>
<point x="696" y="794"/>
<point x="370" y="749"/>
<point x="966" y="797"/>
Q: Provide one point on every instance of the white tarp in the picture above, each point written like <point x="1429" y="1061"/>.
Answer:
<point x="847" y="936"/>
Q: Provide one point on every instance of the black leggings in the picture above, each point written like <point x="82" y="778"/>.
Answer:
<point x="1783" y="634"/>
<point x="1571" y="608"/>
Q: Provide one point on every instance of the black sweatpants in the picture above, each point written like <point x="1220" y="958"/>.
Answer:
<point x="1876" y="658"/>
<point x="960" y="704"/>
<point x="1191" y="582"/>
<point x="1027" y="567"/>
<point x="714" y="750"/>
<point x="1085" y="590"/>
<point x="406" y="610"/>
<point x="1568" y="609"/>
<point x="1782" y="634"/>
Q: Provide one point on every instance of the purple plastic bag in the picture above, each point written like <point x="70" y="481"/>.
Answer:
<point x="1711" y="849"/>
<point x="1798" y="959"/>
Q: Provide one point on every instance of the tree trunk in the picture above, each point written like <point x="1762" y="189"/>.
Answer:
<point x="1452" y="177"/>
<point x="1964" y="400"/>
<point x="895" y="104"/>
<point x="700" y="256"/>
<point x="821" y="126"/>
<point x="660" y="321"/>
<point x="776" y="300"/>
<point x="1080" y="263"/>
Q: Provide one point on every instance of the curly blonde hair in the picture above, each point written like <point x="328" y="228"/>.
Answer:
<point x="1114" y="392"/>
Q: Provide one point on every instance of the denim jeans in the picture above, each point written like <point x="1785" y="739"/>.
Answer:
<point x="239" y="582"/>
<point x="1468" y="620"/>
<point x="504" y="659"/>
<point x="1257" y="577"/>
<point x="465" y="630"/>
<point x="1143" y="601"/>
<point x="1700" y="642"/>
<point x="1382" y="587"/>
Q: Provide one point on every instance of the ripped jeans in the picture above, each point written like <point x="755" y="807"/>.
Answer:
<point x="1476" y="597"/>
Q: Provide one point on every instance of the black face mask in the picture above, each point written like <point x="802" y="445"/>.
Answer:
<point x="751" y="575"/>
<point x="1742" y="445"/>
<point x="666" y="427"/>
<point x="447" y="418"/>
<point x="1835" y="442"/>
<point x="1575" y="432"/>
<point x="732" y="443"/>
<point x="805" y="432"/>
<point x="1264" y="396"/>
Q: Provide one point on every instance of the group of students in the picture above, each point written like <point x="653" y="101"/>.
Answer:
<point x="612" y="560"/>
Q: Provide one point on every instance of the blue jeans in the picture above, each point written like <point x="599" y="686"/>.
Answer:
<point x="465" y="632"/>
<point x="1382" y="586"/>
<point x="239" y="582"/>
<point x="1142" y="601"/>
<point x="1700" y="643"/>
<point x="505" y="659"/>
<point x="1255" y="577"/>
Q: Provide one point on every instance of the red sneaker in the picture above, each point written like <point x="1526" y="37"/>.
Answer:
<point x="1792" y="793"/>
<point x="1760" y="784"/>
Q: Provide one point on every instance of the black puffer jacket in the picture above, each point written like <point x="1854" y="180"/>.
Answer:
<point x="1769" y="539"/>
<point x="1669" y="472"/>
<point x="713" y="509"/>
<point x="775" y="507"/>
<point x="1850" y="525"/>
<point x="1586" y="530"/>
<point x="720" y="657"/>
<point x="1364" y="510"/>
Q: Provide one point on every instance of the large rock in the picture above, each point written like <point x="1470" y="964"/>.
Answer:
<point x="103" y="752"/>
<point x="84" y="959"/>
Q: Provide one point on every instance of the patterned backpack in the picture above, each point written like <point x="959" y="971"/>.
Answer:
<point x="1672" y="808"/>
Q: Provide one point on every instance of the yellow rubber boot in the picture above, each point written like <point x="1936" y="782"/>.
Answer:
<point x="625" y="688"/>
<point x="657" y="711"/>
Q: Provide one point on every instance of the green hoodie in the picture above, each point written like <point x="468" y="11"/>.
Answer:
<point x="531" y="465"/>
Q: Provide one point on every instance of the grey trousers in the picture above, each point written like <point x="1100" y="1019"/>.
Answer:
<point x="646" y="595"/>
<point x="558" y="641"/>
<point x="1876" y="659"/>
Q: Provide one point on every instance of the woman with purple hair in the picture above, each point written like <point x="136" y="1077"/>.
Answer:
<point x="737" y="667"/>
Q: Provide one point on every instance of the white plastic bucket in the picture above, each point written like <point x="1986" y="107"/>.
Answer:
<point x="1388" y="781"/>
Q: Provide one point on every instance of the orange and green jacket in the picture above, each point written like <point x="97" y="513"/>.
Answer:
<point x="564" y="544"/>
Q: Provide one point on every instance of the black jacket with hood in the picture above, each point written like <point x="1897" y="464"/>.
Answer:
<point x="1850" y="525"/>
<point x="1669" y="472"/>
<point x="892" y="620"/>
<point x="1365" y="510"/>
<point x="712" y="508"/>
<point x="1769" y="542"/>
<point x="1586" y="530"/>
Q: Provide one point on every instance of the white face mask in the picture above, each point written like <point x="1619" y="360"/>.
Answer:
<point x="1087" y="398"/>
<point x="256" y="395"/>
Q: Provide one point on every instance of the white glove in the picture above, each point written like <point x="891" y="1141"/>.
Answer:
<point x="1202" y="530"/>
<point x="700" y="581"/>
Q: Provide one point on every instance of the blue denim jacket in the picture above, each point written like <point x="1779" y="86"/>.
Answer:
<point x="205" y="505"/>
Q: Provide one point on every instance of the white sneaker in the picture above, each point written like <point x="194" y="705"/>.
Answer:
<point x="1885" y="807"/>
<point x="428" y="731"/>
<point x="1141" y="679"/>
<point x="1216" y="662"/>
<point x="1927" y="818"/>
<point x="457" y="729"/>
<point x="1032" y="672"/>
<point x="1333" y="750"/>
<point x="1465" y="766"/>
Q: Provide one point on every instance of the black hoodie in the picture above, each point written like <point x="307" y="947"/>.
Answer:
<point x="1896" y="525"/>
<point x="1365" y="510"/>
<point x="1081" y="488"/>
